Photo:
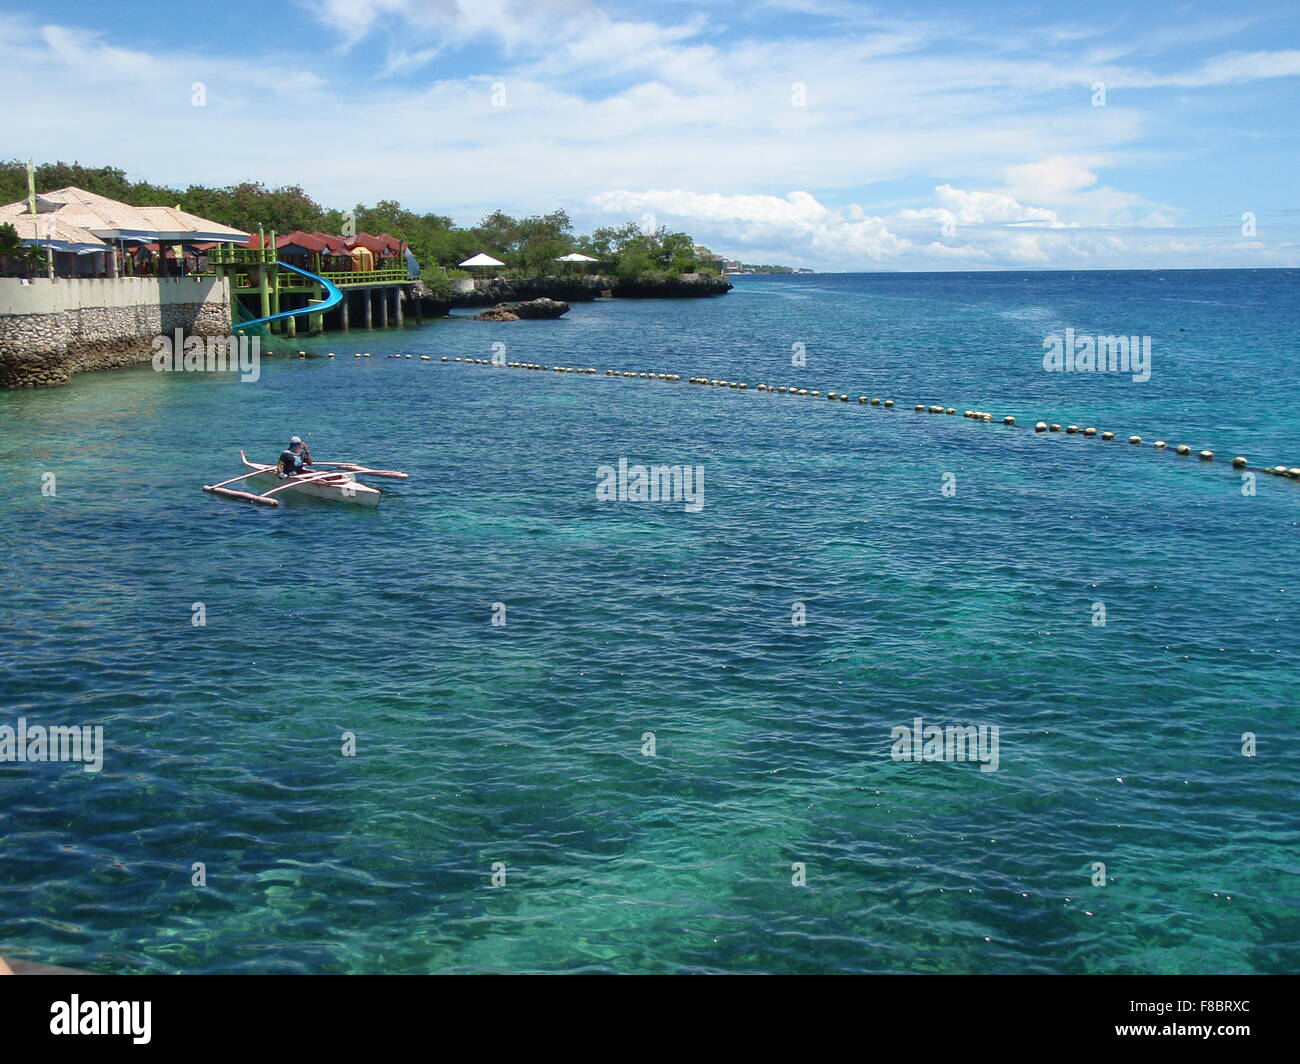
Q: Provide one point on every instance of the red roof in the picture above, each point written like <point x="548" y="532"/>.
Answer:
<point x="329" y="244"/>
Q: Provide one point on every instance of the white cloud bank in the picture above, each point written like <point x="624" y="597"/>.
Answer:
<point x="964" y="230"/>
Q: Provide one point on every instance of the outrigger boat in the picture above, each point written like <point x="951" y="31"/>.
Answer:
<point x="341" y="486"/>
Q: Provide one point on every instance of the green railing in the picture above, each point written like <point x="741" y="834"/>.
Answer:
<point x="228" y="256"/>
<point x="387" y="276"/>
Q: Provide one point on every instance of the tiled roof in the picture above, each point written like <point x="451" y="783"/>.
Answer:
<point x="106" y="217"/>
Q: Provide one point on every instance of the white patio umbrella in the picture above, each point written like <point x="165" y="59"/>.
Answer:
<point x="576" y="256"/>
<point x="482" y="260"/>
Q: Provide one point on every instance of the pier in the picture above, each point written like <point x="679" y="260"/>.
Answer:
<point x="379" y="295"/>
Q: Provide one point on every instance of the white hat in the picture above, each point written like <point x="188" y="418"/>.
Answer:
<point x="293" y="440"/>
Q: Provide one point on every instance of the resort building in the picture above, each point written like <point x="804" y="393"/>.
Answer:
<point x="108" y="277"/>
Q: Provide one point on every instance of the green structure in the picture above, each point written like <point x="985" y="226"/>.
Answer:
<point x="258" y="289"/>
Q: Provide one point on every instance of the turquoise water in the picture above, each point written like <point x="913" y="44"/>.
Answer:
<point x="522" y="744"/>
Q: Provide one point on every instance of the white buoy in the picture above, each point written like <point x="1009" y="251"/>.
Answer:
<point x="1054" y="427"/>
<point x="1182" y="448"/>
<point x="1206" y="456"/>
<point x="875" y="402"/>
<point x="1008" y="420"/>
<point x="1090" y="431"/>
<point x="1107" y="435"/>
<point x="889" y="403"/>
<point x="1041" y="426"/>
<point x="1135" y="439"/>
<point x="1071" y="429"/>
<point x="1159" y="445"/>
<point x="862" y="398"/>
<point x="1239" y="462"/>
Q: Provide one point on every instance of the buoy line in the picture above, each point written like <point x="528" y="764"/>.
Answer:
<point x="1239" y="462"/>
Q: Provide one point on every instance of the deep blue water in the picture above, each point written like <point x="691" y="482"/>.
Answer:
<point x="522" y="744"/>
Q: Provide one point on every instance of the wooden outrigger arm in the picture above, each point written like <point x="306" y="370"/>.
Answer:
<point x="353" y="467"/>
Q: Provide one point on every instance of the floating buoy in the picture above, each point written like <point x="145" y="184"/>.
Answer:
<point x="423" y="358"/>
<point x="1041" y="427"/>
<point x="331" y="354"/>
<point x="358" y="355"/>
<point x="1090" y="431"/>
<point x="1239" y="462"/>
<point x="831" y="395"/>
<point x="1159" y="445"/>
<point x="987" y="417"/>
<point x="1294" y="472"/>
<point x="951" y="410"/>
<point x="814" y="393"/>
<point x="862" y="398"/>
<point x="1135" y="439"/>
<point x="844" y="398"/>
<point x="889" y="403"/>
<point x="875" y="402"/>
<point x="1008" y="420"/>
<point x="1107" y="435"/>
<point x="1054" y="427"/>
<point x="1206" y="456"/>
<point x="408" y="356"/>
<point x="1182" y="448"/>
<point x="1071" y="429"/>
<point x="804" y="391"/>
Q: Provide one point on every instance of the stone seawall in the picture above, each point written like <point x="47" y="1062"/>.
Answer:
<point x="50" y="330"/>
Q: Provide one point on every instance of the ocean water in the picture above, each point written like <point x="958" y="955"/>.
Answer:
<point x="520" y="747"/>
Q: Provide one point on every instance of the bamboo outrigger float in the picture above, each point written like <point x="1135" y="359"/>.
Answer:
<point x="340" y="486"/>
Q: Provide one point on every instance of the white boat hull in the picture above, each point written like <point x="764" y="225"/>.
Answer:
<point x="337" y="487"/>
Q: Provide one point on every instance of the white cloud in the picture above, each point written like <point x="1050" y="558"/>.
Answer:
<point x="1003" y="133"/>
<point x="965" y="229"/>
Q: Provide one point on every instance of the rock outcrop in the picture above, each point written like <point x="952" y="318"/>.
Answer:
<point x="533" y="308"/>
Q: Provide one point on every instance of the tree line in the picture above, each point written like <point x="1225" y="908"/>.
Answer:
<point x="527" y="245"/>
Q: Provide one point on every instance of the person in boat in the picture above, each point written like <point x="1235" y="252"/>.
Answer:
<point x="294" y="459"/>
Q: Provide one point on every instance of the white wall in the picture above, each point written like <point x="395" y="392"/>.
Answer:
<point x="43" y="296"/>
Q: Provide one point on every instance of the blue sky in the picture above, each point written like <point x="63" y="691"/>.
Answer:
<point x="823" y="133"/>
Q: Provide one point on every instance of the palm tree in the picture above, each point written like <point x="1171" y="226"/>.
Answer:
<point x="17" y="258"/>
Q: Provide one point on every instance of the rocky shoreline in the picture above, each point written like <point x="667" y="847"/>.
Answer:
<point x="489" y="292"/>
<point x="42" y="350"/>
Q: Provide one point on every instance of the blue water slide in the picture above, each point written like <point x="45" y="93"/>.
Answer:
<point x="333" y="297"/>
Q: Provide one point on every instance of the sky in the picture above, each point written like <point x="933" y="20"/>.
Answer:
<point x="828" y="134"/>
